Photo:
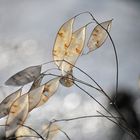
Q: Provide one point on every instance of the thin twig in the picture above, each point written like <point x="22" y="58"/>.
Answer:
<point x="115" y="51"/>
<point x="65" y="134"/>
<point x="94" y="99"/>
<point x="119" y="125"/>
<point x="82" y="117"/>
<point x="32" y="130"/>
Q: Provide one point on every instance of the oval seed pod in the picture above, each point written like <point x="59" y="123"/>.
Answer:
<point x="35" y="97"/>
<point x="74" y="50"/>
<point x="25" y="76"/>
<point x="53" y="130"/>
<point x="50" y="89"/>
<point x="99" y="35"/>
<point x="37" y="82"/>
<point x="7" y="102"/>
<point x="62" y="41"/>
<point x="17" y="115"/>
<point x="67" y="80"/>
<point x="23" y="132"/>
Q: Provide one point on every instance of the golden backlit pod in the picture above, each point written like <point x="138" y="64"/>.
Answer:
<point x="17" y="115"/>
<point x="7" y="102"/>
<point x="74" y="50"/>
<point x="49" y="89"/>
<point x="99" y="35"/>
<point x="43" y="100"/>
<point x="37" y="82"/>
<point x="25" y="76"/>
<point x="35" y="97"/>
<point x="62" y="41"/>
<point x="67" y="80"/>
<point x="53" y="130"/>
<point x="23" y="132"/>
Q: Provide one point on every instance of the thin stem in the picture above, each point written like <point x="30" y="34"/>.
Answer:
<point x="75" y="79"/>
<point x="115" y="51"/>
<point x="94" y="99"/>
<point x="82" y="117"/>
<point x="65" y="134"/>
<point x="87" y="84"/>
<point x="119" y="125"/>
<point x="100" y="90"/>
<point x="49" y="126"/>
<point x="84" y="73"/>
<point x="77" y="69"/>
<point x="101" y="104"/>
<point x="32" y="130"/>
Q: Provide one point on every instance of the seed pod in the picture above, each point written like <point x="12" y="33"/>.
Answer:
<point x="67" y="80"/>
<point x="35" y="96"/>
<point x="62" y="41"/>
<point x="25" y="76"/>
<point x="74" y="50"/>
<point x="50" y="89"/>
<point x="37" y="82"/>
<point x="99" y="35"/>
<point x="17" y="115"/>
<point x="7" y="102"/>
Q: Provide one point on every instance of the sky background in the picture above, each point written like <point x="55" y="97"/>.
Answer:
<point x="27" y="32"/>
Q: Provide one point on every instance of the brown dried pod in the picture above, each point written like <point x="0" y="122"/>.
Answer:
<point x="50" y="89"/>
<point x="99" y="35"/>
<point x="74" y="50"/>
<point x="17" y="115"/>
<point x="62" y="41"/>
<point x="35" y="96"/>
<point x="7" y="102"/>
<point x="25" y="76"/>
<point x="67" y="80"/>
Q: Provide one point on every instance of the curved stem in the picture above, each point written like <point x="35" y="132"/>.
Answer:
<point x="32" y="130"/>
<point x="119" y="125"/>
<point x="115" y="51"/>
<point x="94" y="99"/>
<point x="77" y="80"/>
<point x="65" y="134"/>
<point x="83" y="117"/>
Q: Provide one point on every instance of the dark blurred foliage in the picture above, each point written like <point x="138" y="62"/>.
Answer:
<point x="124" y="102"/>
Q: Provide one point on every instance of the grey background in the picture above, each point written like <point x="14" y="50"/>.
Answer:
<point x="27" y="32"/>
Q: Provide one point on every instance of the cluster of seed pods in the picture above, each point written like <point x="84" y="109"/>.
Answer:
<point x="68" y="47"/>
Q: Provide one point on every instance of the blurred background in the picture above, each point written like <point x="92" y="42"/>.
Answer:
<point x="27" y="33"/>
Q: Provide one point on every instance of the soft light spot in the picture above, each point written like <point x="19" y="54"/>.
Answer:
<point x="28" y="47"/>
<point x="4" y="60"/>
<point x="90" y="126"/>
<point x="71" y="101"/>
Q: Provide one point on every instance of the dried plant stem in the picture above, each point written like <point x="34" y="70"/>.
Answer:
<point x="115" y="51"/>
<point x="121" y="126"/>
<point x="100" y="88"/>
<point x="65" y="134"/>
<point x="83" y="117"/>
<point x="93" y="99"/>
<point x="33" y="131"/>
